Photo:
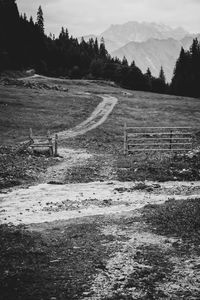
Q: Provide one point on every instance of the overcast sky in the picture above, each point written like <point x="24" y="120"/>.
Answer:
<point x="83" y="17"/>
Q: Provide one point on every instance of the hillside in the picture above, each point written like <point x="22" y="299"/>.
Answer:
<point x="155" y="53"/>
<point x="152" y="54"/>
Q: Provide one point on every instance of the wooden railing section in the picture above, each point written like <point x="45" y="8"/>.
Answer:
<point x="137" y="139"/>
<point x="44" y="141"/>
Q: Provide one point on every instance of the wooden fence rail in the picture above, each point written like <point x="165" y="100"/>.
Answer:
<point x="157" y="139"/>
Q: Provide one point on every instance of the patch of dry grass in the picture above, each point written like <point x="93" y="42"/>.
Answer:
<point x="179" y="218"/>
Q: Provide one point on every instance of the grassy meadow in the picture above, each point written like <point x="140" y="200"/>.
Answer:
<point x="40" y="109"/>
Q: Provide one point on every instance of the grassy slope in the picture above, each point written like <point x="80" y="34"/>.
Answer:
<point x="39" y="109"/>
<point x="146" y="109"/>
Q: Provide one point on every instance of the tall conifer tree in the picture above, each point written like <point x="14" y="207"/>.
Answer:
<point x="40" y="19"/>
<point x="162" y="75"/>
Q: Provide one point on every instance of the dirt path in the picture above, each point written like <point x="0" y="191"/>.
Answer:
<point x="99" y="116"/>
<point x="70" y="158"/>
<point x="78" y="158"/>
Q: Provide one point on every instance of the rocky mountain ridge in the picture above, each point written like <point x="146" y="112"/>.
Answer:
<point x="148" y="44"/>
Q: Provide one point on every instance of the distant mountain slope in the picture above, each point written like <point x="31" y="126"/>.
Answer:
<point x="117" y="36"/>
<point x="141" y="32"/>
<point x="155" y="53"/>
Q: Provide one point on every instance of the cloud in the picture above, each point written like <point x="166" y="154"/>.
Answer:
<point x="94" y="16"/>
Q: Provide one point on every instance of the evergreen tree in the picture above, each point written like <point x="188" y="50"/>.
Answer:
<point x="194" y="49"/>
<point x="162" y="75"/>
<point x="31" y="20"/>
<point x="96" y="47"/>
<point x="149" y="79"/>
<point x="40" y="19"/>
<point x="124" y="61"/>
<point x="133" y="64"/>
<point x="148" y="73"/>
<point x="183" y="81"/>
<point x="102" y="50"/>
<point x="195" y="68"/>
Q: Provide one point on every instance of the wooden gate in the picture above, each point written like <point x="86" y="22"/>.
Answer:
<point x="45" y="141"/>
<point x="157" y="139"/>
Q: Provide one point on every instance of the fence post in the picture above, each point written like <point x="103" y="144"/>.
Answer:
<point x="56" y="145"/>
<point x="125" y="139"/>
<point x="50" y="143"/>
<point x="31" y="133"/>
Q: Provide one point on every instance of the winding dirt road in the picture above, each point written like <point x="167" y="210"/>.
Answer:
<point x="99" y="116"/>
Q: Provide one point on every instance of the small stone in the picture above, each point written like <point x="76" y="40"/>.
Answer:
<point x="86" y="293"/>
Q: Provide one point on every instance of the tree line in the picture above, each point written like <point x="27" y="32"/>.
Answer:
<point x="186" y="79"/>
<point x="24" y="44"/>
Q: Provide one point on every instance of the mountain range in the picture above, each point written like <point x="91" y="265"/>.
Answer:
<point x="150" y="45"/>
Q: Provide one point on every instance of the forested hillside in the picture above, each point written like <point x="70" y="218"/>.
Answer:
<point x="24" y="44"/>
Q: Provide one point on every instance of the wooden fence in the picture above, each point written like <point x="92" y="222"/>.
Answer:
<point x="45" y="141"/>
<point x="137" y="139"/>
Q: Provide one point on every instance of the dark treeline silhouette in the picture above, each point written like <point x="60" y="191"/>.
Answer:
<point x="24" y="44"/>
<point x="186" y="79"/>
